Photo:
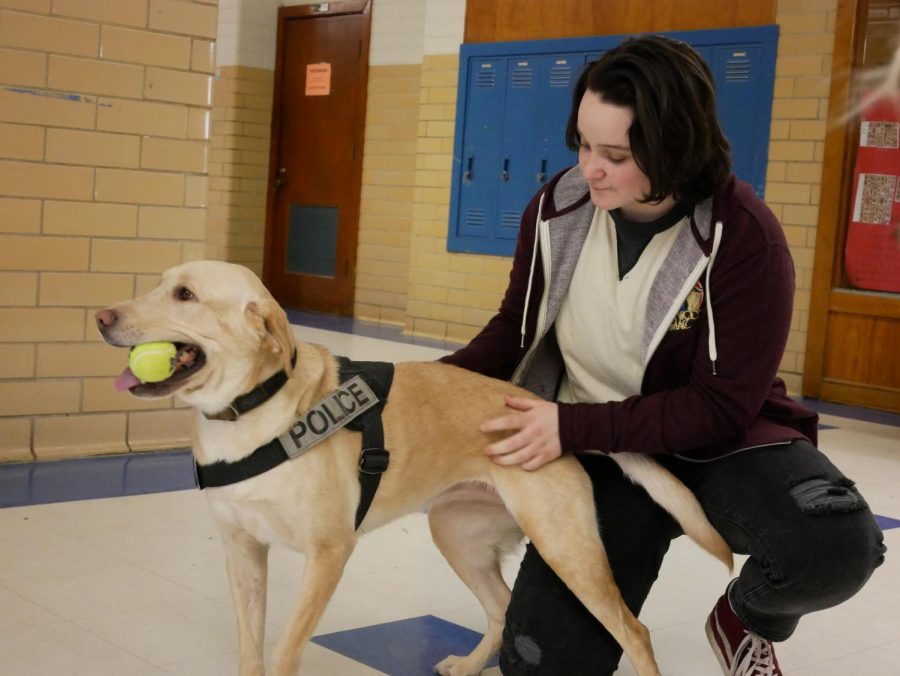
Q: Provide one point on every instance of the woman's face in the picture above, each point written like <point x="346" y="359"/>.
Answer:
<point x="605" y="159"/>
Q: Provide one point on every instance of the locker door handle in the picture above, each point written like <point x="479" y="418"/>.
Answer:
<point x="467" y="174"/>
<point x="504" y="175"/>
<point x="542" y="174"/>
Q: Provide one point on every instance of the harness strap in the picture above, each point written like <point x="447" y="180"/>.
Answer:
<point x="374" y="458"/>
<point x="220" y="473"/>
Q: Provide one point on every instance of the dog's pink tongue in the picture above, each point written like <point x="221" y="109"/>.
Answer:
<point x="126" y="380"/>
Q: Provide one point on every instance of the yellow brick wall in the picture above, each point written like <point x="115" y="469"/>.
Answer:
<point x="796" y="149"/>
<point x="239" y="164"/>
<point x="386" y="203"/>
<point x="450" y="295"/>
<point x="104" y="112"/>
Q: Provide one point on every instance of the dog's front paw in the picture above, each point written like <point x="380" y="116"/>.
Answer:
<point x="454" y="665"/>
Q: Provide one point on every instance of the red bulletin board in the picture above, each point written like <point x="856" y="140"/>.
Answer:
<point x="872" y="252"/>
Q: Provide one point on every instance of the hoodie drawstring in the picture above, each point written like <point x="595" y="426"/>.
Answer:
<point x="717" y="239"/>
<point x="531" y="272"/>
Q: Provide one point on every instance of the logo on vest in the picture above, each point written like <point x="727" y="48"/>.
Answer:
<point x="336" y="410"/>
<point x="690" y="310"/>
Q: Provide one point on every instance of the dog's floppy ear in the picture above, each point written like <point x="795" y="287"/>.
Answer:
<point x="272" y="322"/>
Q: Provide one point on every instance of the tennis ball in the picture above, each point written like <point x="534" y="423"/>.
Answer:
<point x="152" y="362"/>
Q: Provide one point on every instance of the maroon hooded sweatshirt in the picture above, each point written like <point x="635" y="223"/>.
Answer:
<point x="709" y="387"/>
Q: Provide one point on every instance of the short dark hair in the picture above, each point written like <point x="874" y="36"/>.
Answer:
<point x="675" y="137"/>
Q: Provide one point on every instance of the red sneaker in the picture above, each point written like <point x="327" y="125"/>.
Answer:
<point x="740" y="652"/>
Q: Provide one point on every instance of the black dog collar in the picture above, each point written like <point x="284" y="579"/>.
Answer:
<point x="255" y="397"/>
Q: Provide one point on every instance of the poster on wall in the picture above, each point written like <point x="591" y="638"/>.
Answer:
<point x="872" y="252"/>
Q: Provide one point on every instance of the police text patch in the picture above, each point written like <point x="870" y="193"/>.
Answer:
<point x="339" y="407"/>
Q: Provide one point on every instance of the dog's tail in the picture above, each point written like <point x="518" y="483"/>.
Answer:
<point x="677" y="499"/>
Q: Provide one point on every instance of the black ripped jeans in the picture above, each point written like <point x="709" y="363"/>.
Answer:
<point x="810" y="535"/>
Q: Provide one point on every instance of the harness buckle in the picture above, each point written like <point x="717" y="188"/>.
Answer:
<point x="373" y="460"/>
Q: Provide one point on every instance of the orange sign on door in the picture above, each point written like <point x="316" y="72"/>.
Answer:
<point x="318" y="79"/>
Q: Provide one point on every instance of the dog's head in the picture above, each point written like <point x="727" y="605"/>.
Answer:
<point x="229" y="331"/>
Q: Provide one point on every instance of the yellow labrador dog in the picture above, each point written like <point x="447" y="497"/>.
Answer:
<point x="232" y="336"/>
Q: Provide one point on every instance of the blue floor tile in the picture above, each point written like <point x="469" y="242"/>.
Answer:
<point x="886" y="522"/>
<point x="404" y="648"/>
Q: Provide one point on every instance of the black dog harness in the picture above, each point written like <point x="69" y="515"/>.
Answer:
<point x="356" y="404"/>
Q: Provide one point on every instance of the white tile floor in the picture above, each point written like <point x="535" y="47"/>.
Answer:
<point x="137" y="586"/>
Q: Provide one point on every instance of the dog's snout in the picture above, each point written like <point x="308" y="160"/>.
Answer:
<point x="106" y="319"/>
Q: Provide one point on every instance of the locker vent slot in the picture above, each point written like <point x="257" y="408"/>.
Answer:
<point x="475" y="218"/>
<point x="737" y="68"/>
<point x="486" y="79"/>
<point x="560" y="75"/>
<point x="510" y="219"/>
<point x="522" y="77"/>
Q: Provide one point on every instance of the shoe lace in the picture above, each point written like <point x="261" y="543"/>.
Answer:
<point x="757" y="657"/>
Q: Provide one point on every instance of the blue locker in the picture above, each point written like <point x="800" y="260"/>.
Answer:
<point x="476" y="169"/>
<point x="744" y="113"/>
<point x="561" y="71"/>
<point x="514" y="101"/>
<point x="539" y="94"/>
<point x="518" y="152"/>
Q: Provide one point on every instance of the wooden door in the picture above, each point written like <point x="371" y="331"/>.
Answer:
<point x="854" y="332"/>
<point x="315" y="175"/>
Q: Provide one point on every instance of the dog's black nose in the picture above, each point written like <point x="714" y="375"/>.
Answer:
<point x="106" y="319"/>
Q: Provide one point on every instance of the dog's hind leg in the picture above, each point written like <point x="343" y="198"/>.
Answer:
<point x="554" y="507"/>
<point x="474" y="530"/>
<point x="246" y="561"/>
<point x="324" y="566"/>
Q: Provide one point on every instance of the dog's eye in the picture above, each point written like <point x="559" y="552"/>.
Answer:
<point x="183" y="293"/>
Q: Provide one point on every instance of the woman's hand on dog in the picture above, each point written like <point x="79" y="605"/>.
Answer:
<point x="535" y="438"/>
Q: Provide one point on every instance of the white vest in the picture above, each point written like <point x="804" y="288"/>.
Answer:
<point x="600" y="323"/>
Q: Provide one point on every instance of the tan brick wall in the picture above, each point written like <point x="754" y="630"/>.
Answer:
<point x="104" y="112"/>
<point x="386" y="203"/>
<point x="796" y="149"/>
<point x="239" y="164"/>
<point x="450" y="296"/>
